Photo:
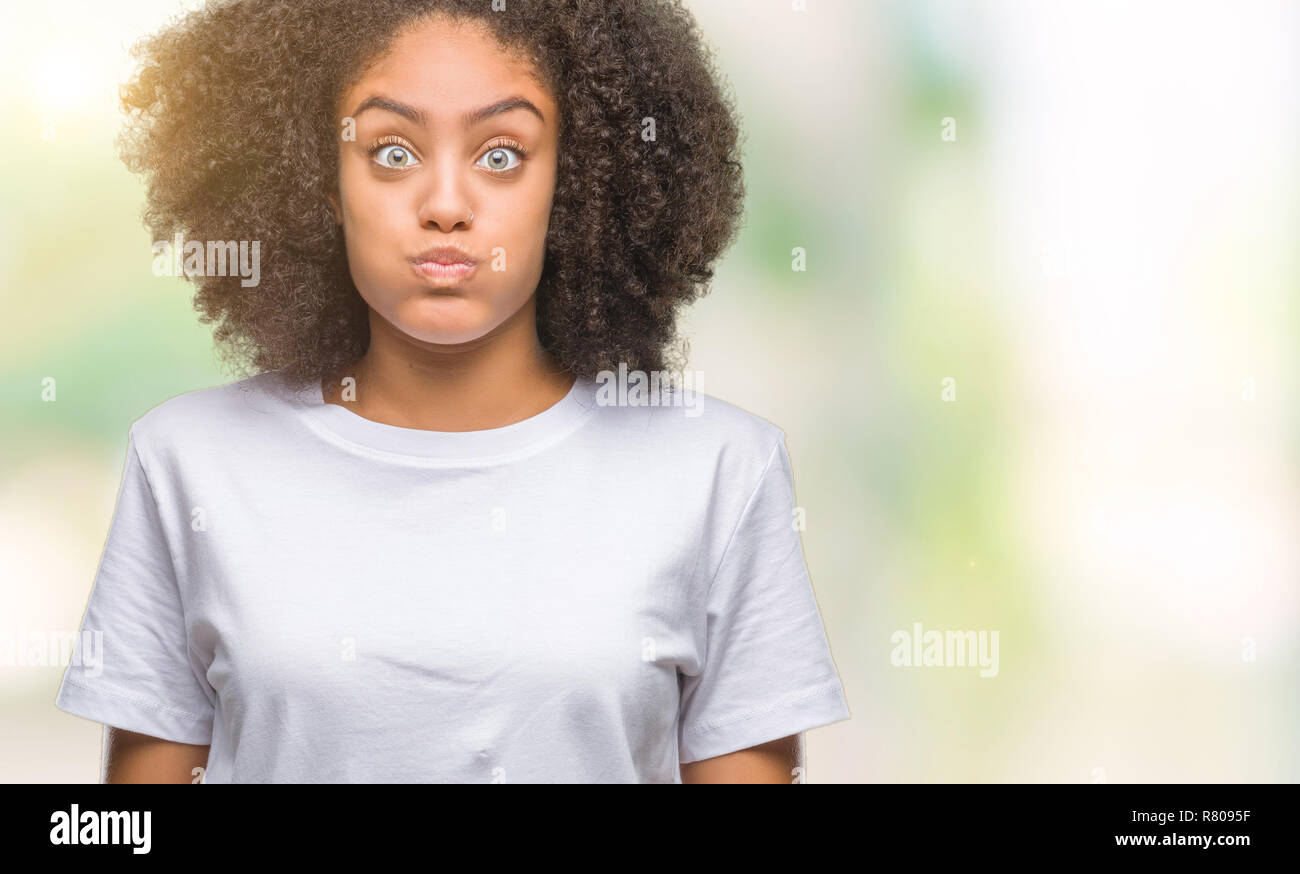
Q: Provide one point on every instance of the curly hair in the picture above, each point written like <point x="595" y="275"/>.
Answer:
<point x="230" y="117"/>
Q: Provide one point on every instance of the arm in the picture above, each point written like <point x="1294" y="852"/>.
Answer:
<point x="772" y="762"/>
<point x="139" y="758"/>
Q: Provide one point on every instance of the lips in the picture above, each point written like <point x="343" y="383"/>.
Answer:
<point x="448" y="256"/>
<point x="444" y="267"/>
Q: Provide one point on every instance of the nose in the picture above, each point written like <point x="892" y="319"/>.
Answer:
<point x="444" y="203"/>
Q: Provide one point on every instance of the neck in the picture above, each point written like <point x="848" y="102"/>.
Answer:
<point x="496" y="380"/>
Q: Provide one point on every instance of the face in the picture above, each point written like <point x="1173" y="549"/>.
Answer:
<point x="447" y="153"/>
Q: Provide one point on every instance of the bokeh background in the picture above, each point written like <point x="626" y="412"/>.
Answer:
<point x="1038" y="378"/>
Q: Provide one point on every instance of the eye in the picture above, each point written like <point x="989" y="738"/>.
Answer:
<point x="498" y="158"/>
<point x="394" y="156"/>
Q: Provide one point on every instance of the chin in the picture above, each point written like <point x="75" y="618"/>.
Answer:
<point x="443" y="334"/>
<point x="444" y="319"/>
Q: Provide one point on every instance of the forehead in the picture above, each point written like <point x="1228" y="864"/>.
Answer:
<point x="446" y="68"/>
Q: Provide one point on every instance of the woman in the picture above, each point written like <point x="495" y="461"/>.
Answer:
<point x="429" y="541"/>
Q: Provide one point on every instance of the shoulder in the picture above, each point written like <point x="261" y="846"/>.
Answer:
<point x="217" y="414"/>
<point x="685" y="424"/>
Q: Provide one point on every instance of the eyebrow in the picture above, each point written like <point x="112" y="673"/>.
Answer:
<point x="469" y="119"/>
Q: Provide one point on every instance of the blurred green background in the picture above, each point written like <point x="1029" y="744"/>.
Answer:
<point x="1078" y="217"/>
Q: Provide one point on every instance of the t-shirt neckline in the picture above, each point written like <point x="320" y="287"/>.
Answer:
<point x="489" y="444"/>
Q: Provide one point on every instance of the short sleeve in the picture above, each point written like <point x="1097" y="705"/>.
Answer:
<point x="132" y="667"/>
<point x="767" y="670"/>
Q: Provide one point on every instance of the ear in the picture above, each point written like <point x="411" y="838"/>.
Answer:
<point x="334" y="204"/>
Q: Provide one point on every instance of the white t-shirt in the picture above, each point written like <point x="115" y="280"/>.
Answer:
<point x="594" y="594"/>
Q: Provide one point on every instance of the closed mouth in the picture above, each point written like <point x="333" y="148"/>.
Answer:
<point x="447" y="256"/>
<point x="443" y="275"/>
